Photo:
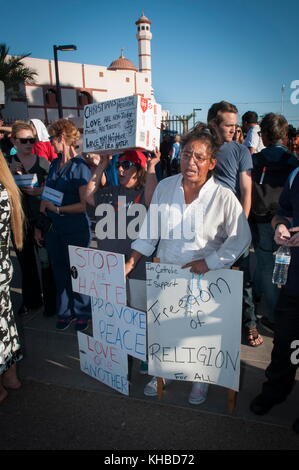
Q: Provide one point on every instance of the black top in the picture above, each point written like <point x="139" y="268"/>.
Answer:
<point x="289" y="207"/>
<point x="31" y="204"/>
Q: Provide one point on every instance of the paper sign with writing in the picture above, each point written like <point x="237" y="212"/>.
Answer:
<point x="120" y="326"/>
<point x="123" y="123"/>
<point x="194" y="324"/>
<point x="52" y="195"/>
<point x="99" y="274"/>
<point x="29" y="179"/>
<point x="104" y="362"/>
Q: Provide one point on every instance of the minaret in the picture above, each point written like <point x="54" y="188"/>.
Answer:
<point x="144" y="37"/>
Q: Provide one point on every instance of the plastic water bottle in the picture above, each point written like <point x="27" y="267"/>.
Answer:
<point x="281" y="267"/>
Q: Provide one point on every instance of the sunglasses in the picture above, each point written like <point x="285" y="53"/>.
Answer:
<point x="30" y="140"/>
<point x="52" y="137"/>
<point x="125" y="164"/>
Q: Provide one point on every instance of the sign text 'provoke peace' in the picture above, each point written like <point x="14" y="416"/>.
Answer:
<point x="99" y="274"/>
<point x="194" y="324"/>
<point x="104" y="362"/>
<point x="120" y="326"/>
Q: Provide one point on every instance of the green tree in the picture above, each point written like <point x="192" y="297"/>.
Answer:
<point x="13" y="72"/>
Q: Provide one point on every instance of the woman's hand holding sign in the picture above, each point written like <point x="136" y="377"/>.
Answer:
<point x="198" y="266"/>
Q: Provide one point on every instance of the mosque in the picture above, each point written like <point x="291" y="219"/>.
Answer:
<point x="83" y="84"/>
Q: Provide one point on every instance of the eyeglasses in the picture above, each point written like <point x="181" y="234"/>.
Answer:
<point x="31" y="140"/>
<point x="197" y="156"/>
<point x="125" y="164"/>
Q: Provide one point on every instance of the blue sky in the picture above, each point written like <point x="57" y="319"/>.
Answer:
<point x="202" y="52"/>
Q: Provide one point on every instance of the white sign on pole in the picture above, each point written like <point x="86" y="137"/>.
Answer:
<point x="104" y="362"/>
<point x="123" y="123"/>
<point x="99" y="274"/>
<point x="194" y="324"/>
<point x="120" y="326"/>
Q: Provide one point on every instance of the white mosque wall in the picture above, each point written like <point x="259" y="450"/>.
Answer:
<point x="102" y="84"/>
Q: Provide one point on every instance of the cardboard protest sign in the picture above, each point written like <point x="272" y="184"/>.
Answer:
<point x="194" y="324"/>
<point x="104" y="362"/>
<point x="123" y="123"/>
<point x="120" y="326"/>
<point x="99" y="274"/>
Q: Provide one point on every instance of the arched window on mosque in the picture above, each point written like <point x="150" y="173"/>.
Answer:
<point x="84" y="98"/>
<point x="51" y="97"/>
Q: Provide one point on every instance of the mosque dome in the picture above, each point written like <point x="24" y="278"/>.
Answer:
<point x="122" y="64"/>
<point x="143" y="19"/>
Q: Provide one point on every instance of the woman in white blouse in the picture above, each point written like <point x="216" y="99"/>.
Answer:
<point x="210" y="212"/>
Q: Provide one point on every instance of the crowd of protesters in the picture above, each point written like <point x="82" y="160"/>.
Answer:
<point x="240" y="173"/>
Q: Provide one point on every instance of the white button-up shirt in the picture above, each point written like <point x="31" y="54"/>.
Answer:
<point x="213" y="227"/>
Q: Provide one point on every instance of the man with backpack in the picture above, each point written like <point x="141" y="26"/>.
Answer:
<point x="271" y="168"/>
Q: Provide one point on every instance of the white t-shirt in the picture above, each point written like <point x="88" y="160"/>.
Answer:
<point x="253" y="139"/>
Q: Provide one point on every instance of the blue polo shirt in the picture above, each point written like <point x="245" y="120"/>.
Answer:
<point x="68" y="179"/>
<point x="289" y="207"/>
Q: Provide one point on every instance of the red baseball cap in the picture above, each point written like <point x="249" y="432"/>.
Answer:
<point x="134" y="156"/>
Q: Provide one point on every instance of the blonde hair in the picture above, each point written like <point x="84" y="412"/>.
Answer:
<point x="19" y="126"/>
<point x="67" y="128"/>
<point x="17" y="214"/>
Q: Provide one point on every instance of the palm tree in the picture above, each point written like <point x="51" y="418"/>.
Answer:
<point x="13" y="72"/>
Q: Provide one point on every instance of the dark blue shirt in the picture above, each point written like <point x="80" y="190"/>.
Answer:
<point x="289" y="207"/>
<point x="68" y="179"/>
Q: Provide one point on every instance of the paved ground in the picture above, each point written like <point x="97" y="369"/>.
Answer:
<point x="59" y="407"/>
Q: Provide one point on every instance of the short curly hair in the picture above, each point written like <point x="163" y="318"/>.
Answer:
<point x="66" y="128"/>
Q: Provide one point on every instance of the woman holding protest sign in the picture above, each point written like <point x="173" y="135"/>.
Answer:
<point x="12" y="219"/>
<point x="30" y="172"/>
<point x="121" y="204"/>
<point x="64" y="221"/>
<point x="193" y="197"/>
<point x="137" y="183"/>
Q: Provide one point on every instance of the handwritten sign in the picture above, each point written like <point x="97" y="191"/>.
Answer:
<point x="194" y="324"/>
<point x="104" y="362"/>
<point x="99" y="274"/>
<point x="121" y="124"/>
<point x="120" y="326"/>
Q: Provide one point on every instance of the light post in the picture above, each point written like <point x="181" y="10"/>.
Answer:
<point x="195" y="109"/>
<point x="70" y="47"/>
<point x="282" y="98"/>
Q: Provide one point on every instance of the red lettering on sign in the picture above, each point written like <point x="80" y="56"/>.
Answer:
<point x="77" y="251"/>
<point x="82" y="285"/>
<point x="120" y="295"/>
<point x="144" y="104"/>
<point x="111" y="261"/>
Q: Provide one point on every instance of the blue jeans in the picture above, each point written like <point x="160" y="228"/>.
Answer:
<point x="262" y="280"/>
<point x="69" y="303"/>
